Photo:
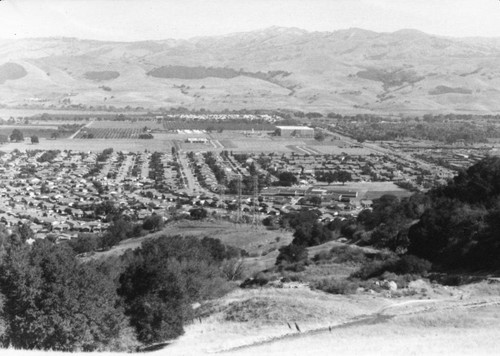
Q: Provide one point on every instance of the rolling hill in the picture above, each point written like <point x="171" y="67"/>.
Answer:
<point x="344" y="71"/>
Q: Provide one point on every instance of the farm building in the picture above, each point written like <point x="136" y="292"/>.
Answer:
<point x="294" y="131"/>
<point x="196" y="140"/>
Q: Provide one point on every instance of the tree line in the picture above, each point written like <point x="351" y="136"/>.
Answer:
<point x="52" y="300"/>
<point x="455" y="226"/>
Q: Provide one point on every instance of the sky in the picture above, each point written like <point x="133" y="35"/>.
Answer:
<point x="137" y="20"/>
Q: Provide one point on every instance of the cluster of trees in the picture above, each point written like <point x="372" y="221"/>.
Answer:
<point x="48" y="156"/>
<point x="435" y="128"/>
<point x="388" y="223"/>
<point x="54" y="301"/>
<point x="461" y="228"/>
<point x="88" y="135"/>
<point x="286" y="179"/>
<point x="156" y="168"/>
<point x="104" y="155"/>
<point x="183" y="72"/>
<point x="333" y="176"/>
<point x="308" y="231"/>
<point x="455" y="226"/>
<point x="16" y="135"/>
<point x="121" y="227"/>
<point x="211" y="162"/>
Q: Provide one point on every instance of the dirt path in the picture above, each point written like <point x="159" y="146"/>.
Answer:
<point x="77" y="132"/>
<point x="383" y="315"/>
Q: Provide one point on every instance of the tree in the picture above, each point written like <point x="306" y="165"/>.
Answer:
<point x="344" y="176"/>
<point x="34" y="139"/>
<point x="119" y="230"/>
<point x="54" y="135"/>
<point x="292" y="254"/>
<point x="287" y="179"/>
<point x="329" y="177"/>
<point x="84" y="243"/>
<point x="25" y="232"/>
<point x="164" y="277"/>
<point x="16" y="135"/>
<point x="315" y="200"/>
<point x="153" y="223"/>
<point x="154" y="301"/>
<point x="319" y="136"/>
<point x="198" y="213"/>
<point x="54" y="302"/>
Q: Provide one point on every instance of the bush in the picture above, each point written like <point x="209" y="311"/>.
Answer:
<point x="400" y="266"/>
<point x="257" y="281"/>
<point x="348" y="254"/>
<point x="342" y="254"/>
<point x="84" y="243"/>
<point x="54" y="302"/>
<point x="164" y="277"/>
<point x="336" y="286"/>
<point x="233" y="269"/>
<point x="372" y="269"/>
<point x="291" y="254"/>
<point x="412" y="265"/>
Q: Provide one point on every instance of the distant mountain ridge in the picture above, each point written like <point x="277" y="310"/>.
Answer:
<point x="351" y="70"/>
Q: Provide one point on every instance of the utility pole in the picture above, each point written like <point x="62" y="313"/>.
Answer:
<point x="255" y="198"/>
<point x="238" y="216"/>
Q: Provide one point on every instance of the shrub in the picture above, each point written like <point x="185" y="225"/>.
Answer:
<point x="336" y="286"/>
<point x="69" y="306"/>
<point x="343" y="254"/>
<point x="400" y="266"/>
<point x="164" y="277"/>
<point x="291" y="254"/>
<point x="84" y="243"/>
<point x="413" y="265"/>
<point x="372" y="269"/>
<point x="257" y="281"/>
<point x="233" y="269"/>
<point x="322" y="256"/>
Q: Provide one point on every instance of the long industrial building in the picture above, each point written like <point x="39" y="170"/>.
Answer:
<point x="294" y="131"/>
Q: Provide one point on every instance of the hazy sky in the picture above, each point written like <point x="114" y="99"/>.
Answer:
<point x="132" y="20"/>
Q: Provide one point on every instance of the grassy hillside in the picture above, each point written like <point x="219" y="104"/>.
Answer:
<point x="344" y="71"/>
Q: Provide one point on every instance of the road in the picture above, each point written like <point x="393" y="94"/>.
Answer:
<point x="84" y="126"/>
<point x="375" y="148"/>
<point x="193" y="186"/>
<point x="381" y="316"/>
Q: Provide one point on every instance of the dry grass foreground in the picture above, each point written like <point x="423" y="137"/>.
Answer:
<point x="455" y="321"/>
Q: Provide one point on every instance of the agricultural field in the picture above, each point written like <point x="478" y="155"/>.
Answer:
<point x="233" y="125"/>
<point x="336" y="150"/>
<point x="262" y="145"/>
<point x="368" y="190"/>
<point x="263" y="142"/>
<point x="94" y="145"/>
<point x="110" y="133"/>
<point x="45" y="131"/>
<point x="127" y="124"/>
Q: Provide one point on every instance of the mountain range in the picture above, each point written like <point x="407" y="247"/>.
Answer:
<point x="346" y="71"/>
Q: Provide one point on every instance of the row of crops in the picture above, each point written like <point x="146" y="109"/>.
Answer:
<point x="231" y="125"/>
<point x="109" y="133"/>
<point x="108" y="124"/>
